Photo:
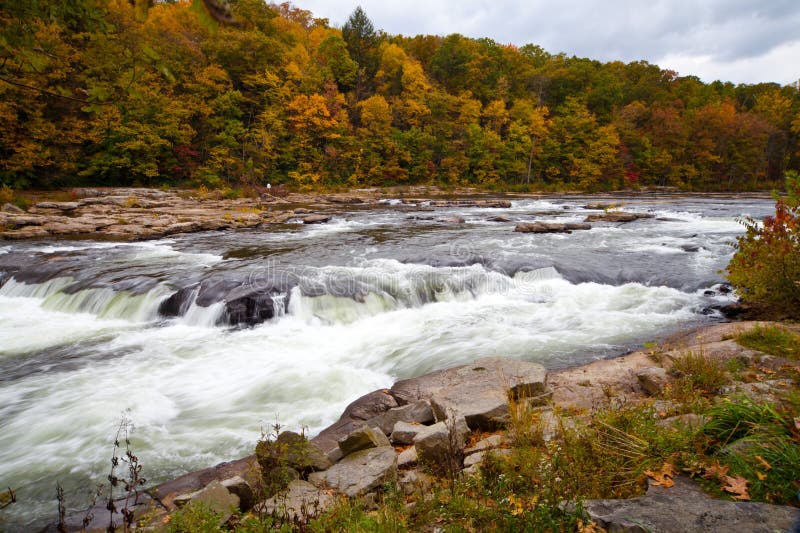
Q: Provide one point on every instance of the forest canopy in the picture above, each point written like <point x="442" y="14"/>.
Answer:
<point x="119" y="92"/>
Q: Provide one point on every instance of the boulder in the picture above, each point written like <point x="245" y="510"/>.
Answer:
<point x="499" y="218"/>
<point x="344" y="199"/>
<point x="442" y="441"/>
<point x="685" y="507"/>
<point x="363" y="438"/>
<point x="653" y="380"/>
<point x="452" y="220"/>
<point x="240" y="487"/>
<point x="316" y="219"/>
<point x="11" y="208"/>
<point x="404" y="432"/>
<point x="418" y="412"/>
<point x="214" y="496"/>
<point x="371" y="405"/>
<point x="489" y="443"/>
<point x="302" y="454"/>
<point x="300" y="500"/>
<point x="407" y="457"/>
<point x="478" y="458"/>
<point x="360" y="472"/>
<point x="617" y="216"/>
<point x="550" y="227"/>
<point x="479" y="392"/>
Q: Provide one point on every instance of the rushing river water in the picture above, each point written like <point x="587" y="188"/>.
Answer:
<point x="204" y="339"/>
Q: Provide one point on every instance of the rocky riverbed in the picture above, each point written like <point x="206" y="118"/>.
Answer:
<point x="418" y="427"/>
<point x="138" y="213"/>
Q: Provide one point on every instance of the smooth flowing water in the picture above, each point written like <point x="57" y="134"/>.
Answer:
<point x="203" y="340"/>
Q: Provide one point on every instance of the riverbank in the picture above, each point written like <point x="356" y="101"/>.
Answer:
<point x="428" y="451"/>
<point x="133" y="214"/>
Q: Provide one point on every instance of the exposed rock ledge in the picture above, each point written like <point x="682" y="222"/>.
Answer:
<point x="436" y="412"/>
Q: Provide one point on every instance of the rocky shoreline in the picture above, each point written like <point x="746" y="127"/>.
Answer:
<point x="462" y="414"/>
<point x="131" y="214"/>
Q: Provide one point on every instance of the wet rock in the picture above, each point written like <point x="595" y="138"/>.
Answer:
<point x="300" y="500"/>
<point x="653" y="380"/>
<point x="360" y="472"/>
<point x="418" y="412"/>
<point x="499" y="218"/>
<point x="251" y="308"/>
<point x="617" y="216"/>
<point x="178" y="303"/>
<point x="362" y="438"/>
<point x="685" y="507"/>
<point x="550" y="227"/>
<point x="316" y="219"/>
<point x="453" y="220"/>
<point x="404" y="432"/>
<point x="602" y="206"/>
<point x="442" y="441"/>
<point x="691" y="248"/>
<point x="214" y="496"/>
<point x="479" y="391"/>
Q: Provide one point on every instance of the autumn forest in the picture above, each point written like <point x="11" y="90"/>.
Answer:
<point x="109" y="93"/>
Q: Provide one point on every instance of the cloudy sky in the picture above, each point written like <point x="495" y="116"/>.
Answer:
<point x="743" y="41"/>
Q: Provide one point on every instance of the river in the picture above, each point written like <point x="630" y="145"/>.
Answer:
<point x="292" y="323"/>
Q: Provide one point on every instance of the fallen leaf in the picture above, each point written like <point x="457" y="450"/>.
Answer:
<point x="736" y="486"/>
<point x="663" y="477"/>
<point x="716" y="471"/>
<point x="764" y="463"/>
<point x="766" y="370"/>
<point x="797" y="423"/>
<point x="761" y="475"/>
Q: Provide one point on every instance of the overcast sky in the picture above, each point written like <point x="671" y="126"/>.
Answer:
<point x="743" y="41"/>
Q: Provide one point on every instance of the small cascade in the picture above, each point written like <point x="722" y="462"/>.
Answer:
<point x="101" y="302"/>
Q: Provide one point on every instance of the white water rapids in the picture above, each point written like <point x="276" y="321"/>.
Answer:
<point x="371" y="298"/>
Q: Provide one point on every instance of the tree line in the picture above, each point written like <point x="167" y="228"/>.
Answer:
<point x="116" y="92"/>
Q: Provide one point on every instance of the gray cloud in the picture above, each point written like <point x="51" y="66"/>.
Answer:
<point x="723" y="39"/>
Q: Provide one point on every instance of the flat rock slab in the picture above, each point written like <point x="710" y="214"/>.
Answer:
<point x="685" y="507"/>
<point x="618" y="216"/>
<point x="550" y="227"/>
<point x="479" y="392"/>
<point x="361" y="472"/>
<point x="300" y="499"/>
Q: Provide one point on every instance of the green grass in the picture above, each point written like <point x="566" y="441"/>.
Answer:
<point x="700" y="373"/>
<point x="773" y="340"/>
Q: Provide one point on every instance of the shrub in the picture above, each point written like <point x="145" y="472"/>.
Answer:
<point x="766" y="267"/>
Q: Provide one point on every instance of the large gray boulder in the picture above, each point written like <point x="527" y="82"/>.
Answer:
<point x="300" y="500"/>
<point x="418" y="412"/>
<point x="361" y="472"/>
<point x="653" y="380"/>
<point x="214" y="496"/>
<point x="442" y="442"/>
<point x="479" y="392"/>
<point x="685" y="507"/>
<point x="404" y="432"/>
<point x="361" y="439"/>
